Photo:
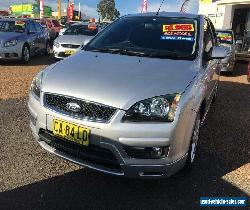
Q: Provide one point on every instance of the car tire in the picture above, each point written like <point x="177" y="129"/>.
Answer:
<point x="26" y="54"/>
<point x="215" y="94"/>
<point x="193" y="143"/>
<point x="47" y="49"/>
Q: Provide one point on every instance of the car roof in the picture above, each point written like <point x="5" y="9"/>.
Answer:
<point x="164" y="14"/>
<point x="17" y="19"/>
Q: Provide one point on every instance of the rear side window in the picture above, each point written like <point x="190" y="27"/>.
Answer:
<point x="56" y="23"/>
<point x="31" y="27"/>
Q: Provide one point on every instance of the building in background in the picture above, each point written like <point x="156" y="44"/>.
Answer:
<point x="228" y="14"/>
<point x="29" y="10"/>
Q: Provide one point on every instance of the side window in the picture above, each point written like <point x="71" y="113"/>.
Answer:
<point x="208" y="41"/>
<point x="56" y="23"/>
<point x="31" y="27"/>
<point x="38" y="27"/>
<point x="213" y="31"/>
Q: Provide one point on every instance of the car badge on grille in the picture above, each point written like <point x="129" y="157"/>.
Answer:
<point x="73" y="107"/>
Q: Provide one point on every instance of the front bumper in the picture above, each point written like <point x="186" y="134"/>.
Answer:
<point x="10" y="53"/>
<point x="110" y="142"/>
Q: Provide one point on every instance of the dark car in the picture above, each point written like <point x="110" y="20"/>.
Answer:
<point x="22" y="38"/>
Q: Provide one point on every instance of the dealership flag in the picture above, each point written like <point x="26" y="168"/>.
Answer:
<point x="144" y="6"/>
<point x="41" y="8"/>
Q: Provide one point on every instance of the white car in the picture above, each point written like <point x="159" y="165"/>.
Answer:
<point x="74" y="38"/>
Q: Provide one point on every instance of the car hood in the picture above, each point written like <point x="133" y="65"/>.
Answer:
<point x="118" y="80"/>
<point x="73" y="39"/>
<point x="5" y="36"/>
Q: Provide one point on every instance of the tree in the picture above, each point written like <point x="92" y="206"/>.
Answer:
<point x="107" y="10"/>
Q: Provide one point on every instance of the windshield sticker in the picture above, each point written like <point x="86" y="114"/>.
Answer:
<point x="178" y="27"/>
<point x="225" y="37"/>
<point x="178" y="38"/>
<point x="178" y="33"/>
<point x="19" y="23"/>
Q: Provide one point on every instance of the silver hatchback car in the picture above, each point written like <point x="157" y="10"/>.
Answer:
<point x="132" y="102"/>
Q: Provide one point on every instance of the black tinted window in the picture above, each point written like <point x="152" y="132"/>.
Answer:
<point x="208" y="41"/>
<point x="176" y="36"/>
<point x="81" y="30"/>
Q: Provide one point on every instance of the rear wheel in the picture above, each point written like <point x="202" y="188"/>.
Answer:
<point x="47" y="49"/>
<point x="215" y="93"/>
<point x="26" y="54"/>
<point x="193" y="143"/>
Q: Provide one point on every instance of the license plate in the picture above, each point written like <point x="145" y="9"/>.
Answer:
<point x="71" y="132"/>
<point x="69" y="52"/>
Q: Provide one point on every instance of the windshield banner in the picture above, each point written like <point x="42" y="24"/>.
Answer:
<point x="178" y="27"/>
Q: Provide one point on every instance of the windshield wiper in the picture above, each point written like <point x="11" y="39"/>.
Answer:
<point x="148" y="53"/>
<point x="106" y="50"/>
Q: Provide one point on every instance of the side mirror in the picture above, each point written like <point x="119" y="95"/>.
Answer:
<point x="219" y="52"/>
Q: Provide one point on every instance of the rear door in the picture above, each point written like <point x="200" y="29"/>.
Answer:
<point x="41" y="36"/>
<point x="32" y="37"/>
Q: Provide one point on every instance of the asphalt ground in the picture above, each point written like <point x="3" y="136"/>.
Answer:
<point x="31" y="178"/>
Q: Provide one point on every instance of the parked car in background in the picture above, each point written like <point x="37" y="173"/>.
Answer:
<point x="248" y="72"/>
<point x="103" y="25"/>
<point x="132" y="102"/>
<point x="74" y="38"/>
<point x="226" y="38"/>
<point x="22" y="38"/>
<point x="67" y="25"/>
<point x="52" y="26"/>
<point x="243" y="47"/>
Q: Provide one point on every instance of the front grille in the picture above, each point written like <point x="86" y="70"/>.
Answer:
<point x="92" y="154"/>
<point x="72" y="46"/>
<point x="88" y="110"/>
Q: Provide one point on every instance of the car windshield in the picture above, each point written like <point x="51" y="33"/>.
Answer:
<point x="81" y="30"/>
<point x="12" y="26"/>
<point x="160" y="37"/>
<point x="225" y="37"/>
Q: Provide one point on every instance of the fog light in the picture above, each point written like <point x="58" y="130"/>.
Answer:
<point x="157" y="151"/>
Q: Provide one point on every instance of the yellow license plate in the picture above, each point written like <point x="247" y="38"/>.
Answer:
<point x="69" y="52"/>
<point x="71" y="132"/>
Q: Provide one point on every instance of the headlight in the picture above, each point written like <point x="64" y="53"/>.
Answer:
<point x="36" y="84"/>
<point x="157" y="109"/>
<point x="56" y="44"/>
<point x="10" y="43"/>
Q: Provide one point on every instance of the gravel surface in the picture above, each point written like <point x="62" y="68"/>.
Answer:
<point x="31" y="178"/>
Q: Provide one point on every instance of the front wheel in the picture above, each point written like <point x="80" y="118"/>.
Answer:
<point x="193" y="143"/>
<point x="26" y="54"/>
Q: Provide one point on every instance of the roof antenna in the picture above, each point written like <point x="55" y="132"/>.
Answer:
<point x="184" y="5"/>
<point x="160" y="8"/>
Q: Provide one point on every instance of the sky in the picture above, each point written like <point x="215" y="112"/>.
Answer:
<point x="124" y="6"/>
